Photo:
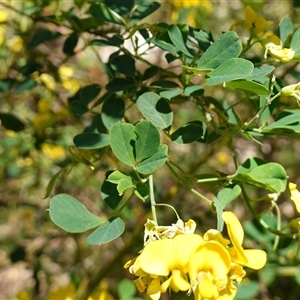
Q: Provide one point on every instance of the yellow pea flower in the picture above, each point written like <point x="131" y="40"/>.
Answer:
<point x="253" y="258"/>
<point x="274" y="47"/>
<point x="255" y="22"/>
<point x="295" y="195"/>
<point x="208" y="267"/>
<point x="292" y="90"/>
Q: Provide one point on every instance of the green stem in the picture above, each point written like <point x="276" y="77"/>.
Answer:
<point x="201" y="196"/>
<point x="152" y="199"/>
<point x="278" y="227"/>
<point x="212" y="179"/>
<point x="258" y="115"/>
<point x="259" y="219"/>
<point x="124" y="204"/>
<point x="170" y="206"/>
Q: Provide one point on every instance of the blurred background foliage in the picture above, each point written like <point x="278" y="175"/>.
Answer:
<point x="48" y="61"/>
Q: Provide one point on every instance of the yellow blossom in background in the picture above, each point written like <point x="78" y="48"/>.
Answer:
<point x="292" y="90"/>
<point x="48" y="80"/>
<point x="68" y="82"/>
<point x="208" y="266"/>
<point x="275" y="49"/>
<point x="255" y="22"/>
<point x="66" y="77"/>
<point x="15" y="44"/>
<point x="46" y="117"/>
<point x="3" y="18"/>
<point x="194" y="6"/>
<point x="23" y="295"/>
<point x="68" y="292"/>
<point x="53" y="152"/>
<point x="295" y="195"/>
<point x="63" y="293"/>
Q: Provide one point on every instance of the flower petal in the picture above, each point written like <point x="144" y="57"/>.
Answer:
<point x="234" y="227"/>
<point x="211" y="257"/>
<point x="157" y="258"/>
<point x="162" y="256"/>
<point x="153" y="290"/>
<point x="256" y="258"/>
<point x="215" y="235"/>
<point x="295" y="195"/>
<point x="207" y="289"/>
<point x="177" y="282"/>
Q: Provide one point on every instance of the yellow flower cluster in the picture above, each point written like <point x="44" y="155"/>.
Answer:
<point x="272" y="43"/>
<point x="208" y="266"/>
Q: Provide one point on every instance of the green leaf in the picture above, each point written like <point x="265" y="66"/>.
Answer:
<point x="148" y="140"/>
<point x="247" y="290"/>
<point x="194" y="90"/>
<point x="295" y="42"/>
<point x="142" y="190"/>
<point x="104" y="13"/>
<point x="43" y="35"/>
<point x="164" y="84"/>
<point x="110" y="194"/>
<point x="143" y="10"/>
<point x="25" y="85"/>
<point x="124" y="184"/>
<point x="123" y="64"/>
<point x="155" y="109"/>
<point x="154" y="162"/>
<point x="170" y="94"/>
<point x="9" y="121"/>
<point x="107" y="232"/>
<point x="126" y="290"/>
<point x="51" y="183"/>
<point x="121" y="137"/>
<point x="190" y="132"/>
<point x="203" y="38"/>
<point x="119" y="84"/>
<point x="227" y="46"/>
<point x="234" y="68"/>
<point x="115" y="40"/>
<point x="285" y="29"/>
<point x="89" y="92"/>
<point x="113" y="111"/>
<point x="78" y="108"/>
<point x="260" y="71"/>
<point x="223" y="198"/>
<point x="287" y="119"/>
<point x="228" y="194"/>
<point x="5" y="84"/>
<point x="248" y="85"/>
<point x="178" y="40"/>
<point x="123" y="181"/>
<point x="271" y="176"/>
<point x="91" y="140"/>
<point x="123" y="8"/>
<point x="249" y="165"/>
<point x="70" y="44"/>
<point x="116" y="176"/>
<point x="71" y="215"/>
<point x="150" y="72"/>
